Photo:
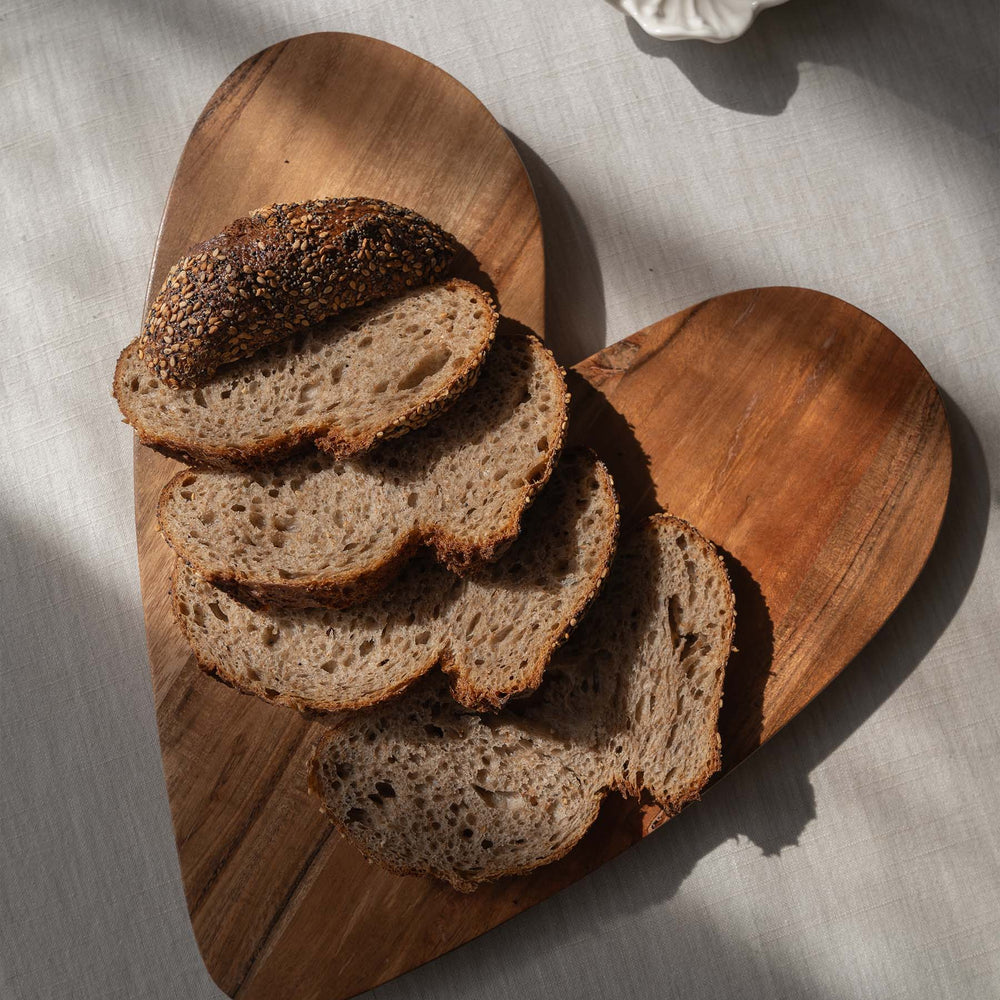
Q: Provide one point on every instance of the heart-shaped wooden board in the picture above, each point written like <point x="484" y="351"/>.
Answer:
<point x="797" y="432"/>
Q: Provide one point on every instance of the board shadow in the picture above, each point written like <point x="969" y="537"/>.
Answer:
<point x="575" y="314"/>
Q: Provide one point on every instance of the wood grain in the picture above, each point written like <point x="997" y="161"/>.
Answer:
<point x="797" y="432"/>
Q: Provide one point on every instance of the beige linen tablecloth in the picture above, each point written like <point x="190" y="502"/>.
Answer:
<point x="849" y="146"/>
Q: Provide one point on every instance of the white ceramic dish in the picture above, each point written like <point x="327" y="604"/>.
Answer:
<point x="709" y="20"/>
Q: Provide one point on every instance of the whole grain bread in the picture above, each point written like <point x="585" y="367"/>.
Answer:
<point x="319" y="531"/>
<point x="280" y="270"/>
<point x="370" y="374"/>
<point x="630" y="704"/>
<point x="492" y="632"/>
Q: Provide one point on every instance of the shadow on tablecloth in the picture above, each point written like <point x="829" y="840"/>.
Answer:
<point x="950" y="70"/>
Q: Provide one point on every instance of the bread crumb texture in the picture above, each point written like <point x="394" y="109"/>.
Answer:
<point x="316" y="530"/>
<point x="344" y="385"/>
<point x="630" y="704"/>
<point x="493" y="631"/>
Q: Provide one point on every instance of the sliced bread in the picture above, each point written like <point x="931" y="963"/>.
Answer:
<point x="492" y="632"/>
<point x="318" y="531"/>
<point x="372" y="373"/>
<point x="280" y="270"/>
<point x="630" y="703"/>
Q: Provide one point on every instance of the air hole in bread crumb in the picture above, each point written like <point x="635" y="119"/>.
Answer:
<point x="432" y="730"/>
<point x="385" y="789"/>
<point x="690" y="645"/>
<point x="356" y="816"/>
<point x="673" y="619"/>
<point x="218" y="612"/>
<point x="430" y="364"/>
<point x="535" y="473"/>
<point x="501" y="634"/>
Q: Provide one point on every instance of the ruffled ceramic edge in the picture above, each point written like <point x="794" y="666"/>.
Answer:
<point x="708" y="20"/>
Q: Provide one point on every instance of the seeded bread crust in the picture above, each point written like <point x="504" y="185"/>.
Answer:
<point x="521" y="610"/>
<point x="281" y="269"/>
<point x="335" y="434"/>
<point x="630" y="704"/>
<point x="462" y="554"/>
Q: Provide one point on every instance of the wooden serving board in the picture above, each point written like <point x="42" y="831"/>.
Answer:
<point x="797" y="432"/>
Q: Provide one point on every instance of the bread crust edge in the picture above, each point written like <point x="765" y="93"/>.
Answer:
<point x="670" y="804"/>
<point x="455" y="667"/>
<point x="330" y="438"/>
<point x="352" y="587"/>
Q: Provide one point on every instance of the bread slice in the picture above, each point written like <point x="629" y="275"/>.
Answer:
<point x="373" y="373"/>
<point x="492" y="632"/>
<point x="315" y="530"/>
<point x="630" y="703"/>
<point x="278" y="271"/>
